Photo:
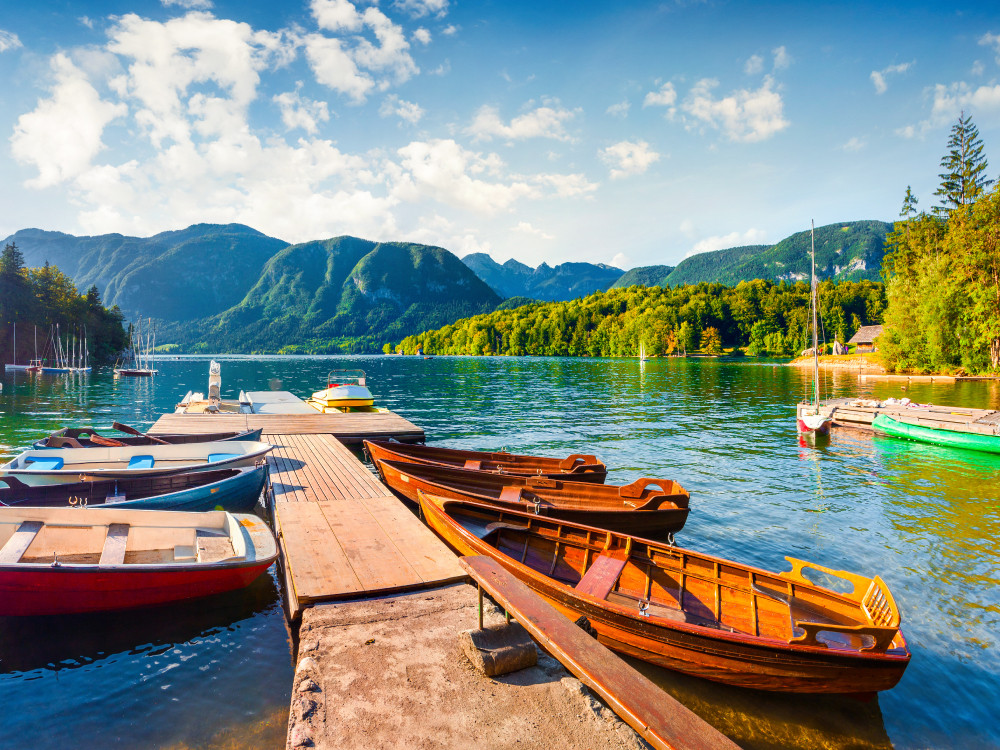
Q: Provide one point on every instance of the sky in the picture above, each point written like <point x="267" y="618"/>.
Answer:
<point x="627" y="133"/>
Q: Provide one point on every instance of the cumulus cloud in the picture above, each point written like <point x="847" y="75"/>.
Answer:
<point x="407" y="111"/>
<point x="948" y="102"/>
<point x="422" y="35"/>
<point x="628" y="158"/>
<point x="619" y="110"/>
<point x="878" y="76"/>
<point x="450" y="30"/>
<point x="299" y="112"/>
<point x="665" y="96"/>
<point x="546" y="121"/>
<point x="744" y="116"/>
<point x="334" y="67"/>
<point x="991" y="40"/>
<point x="188" y="4"/>
<point x="854" y="144"/>
<point x="754" y="65"/>
<point x="62" y="135"/>
<point x="782" y="59"/>
<point x="733" y="239"/>
<point x="524" y="227"/>
<point x="8" y="40"/>
<point x="620" y="260"/>
<point x="421" y="8"/>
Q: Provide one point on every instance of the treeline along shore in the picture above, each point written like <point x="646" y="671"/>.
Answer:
<point x="37" y="299"/>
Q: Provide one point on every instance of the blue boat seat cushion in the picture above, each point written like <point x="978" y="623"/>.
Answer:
<point x="141" y="462"/>
<point x="45" y="463"/>
<point x="216" y="457"/>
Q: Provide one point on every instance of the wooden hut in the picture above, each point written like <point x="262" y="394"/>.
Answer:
<point x="865" y="339"/>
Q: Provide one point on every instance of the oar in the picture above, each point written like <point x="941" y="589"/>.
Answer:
<point x="132" y="431"/>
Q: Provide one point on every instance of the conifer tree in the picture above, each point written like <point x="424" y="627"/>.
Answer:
<point x="964" y="178"/>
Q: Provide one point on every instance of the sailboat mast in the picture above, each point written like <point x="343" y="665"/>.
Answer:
<point x="15" y="343"/>
<point x="812" y="239"/>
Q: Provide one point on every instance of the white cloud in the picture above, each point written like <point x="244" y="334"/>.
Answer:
<point x="450" y="30"/>
<point x="628" y="158"/>
<point x="854" y="144"/>
<point x="524" y="227"/>
<point x="620" y="260"/>
<point x="335" y="68"/>
<point x="948" y="102"/>
<point x="745" y="116"/>
<point x="547" y="121"/>
<point x="688" y="229"/>
<point x="336" y="15"/>
<point x="991" y="40"/>
<point x="86" y="21"/>
<point x="878" y="76"/>
<point x="9" y="40"/>
<point x="666" y="96"/>
<point x="422" y="35"/>
<point x="754" y="65"/>
<point x="421" y="8"/>
<point x="619" y="110"/>
<point x="63" y="133"/>
<point x="298" y="112"/>
<point x="978" y="68"/>
<point x="566" y="185"/>
<point x="188" y="4"/>
<point x="733" y="239"/>
<point x="408" y="111"/>
<point x="442" y="69"/>
<point x="781" y="58"/>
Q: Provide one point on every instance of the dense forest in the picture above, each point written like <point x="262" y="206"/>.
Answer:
<point x="942" y="270"/>
<point x="41" y="298"/>
<point x="760" y="316"/>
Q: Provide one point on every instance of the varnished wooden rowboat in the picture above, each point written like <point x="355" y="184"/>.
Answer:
<point x="88" y="437"/>
<point x="70" y="560"/>
<point x="651" y="507"/>
<point x="692" y="612"/>
<point x="576" y="468"/>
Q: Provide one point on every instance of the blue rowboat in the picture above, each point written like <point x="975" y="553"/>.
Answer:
<point x="235" y="490"/>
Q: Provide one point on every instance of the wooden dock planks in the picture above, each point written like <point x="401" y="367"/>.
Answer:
<point x="343" y="534"/>
<point x="847" y="412"/>
<point x="347" y="428"/>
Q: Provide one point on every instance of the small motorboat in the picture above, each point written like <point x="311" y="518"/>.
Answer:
<point x="346" y="391"/>
<point x="60" y="466"/>
<point x="578" y="467"/>
<point x="689" y="611"/>
<point x="235" y="490"/>
<point x="88" y="437"/>
<point x="651" y="507"/>
<point x="56" y="561"/>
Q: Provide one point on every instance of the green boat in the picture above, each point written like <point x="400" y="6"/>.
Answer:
<point x="972" y="441"/>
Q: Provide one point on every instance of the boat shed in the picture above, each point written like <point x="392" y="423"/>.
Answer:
<point x="865" y="338"/>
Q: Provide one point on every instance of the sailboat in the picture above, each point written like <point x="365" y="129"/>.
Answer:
<point x="61" y="364"/>
<point x="15" y="365"/>
<point x="808" y="415"/>
<point x="139" y="362"/>
<point x="642" y="352"/>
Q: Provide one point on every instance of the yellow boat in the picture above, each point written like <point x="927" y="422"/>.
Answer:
<point x="345" y="392"/>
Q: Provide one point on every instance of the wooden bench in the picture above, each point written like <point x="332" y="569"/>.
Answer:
<point x="603" y="574"/>
<point x="19" y="542"/>
<point x="655" y="715"/>
<point x="472" y="465"/>
<point x="114" y="545"/>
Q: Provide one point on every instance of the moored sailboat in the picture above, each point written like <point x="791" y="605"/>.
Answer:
<point x="808" y="416"/>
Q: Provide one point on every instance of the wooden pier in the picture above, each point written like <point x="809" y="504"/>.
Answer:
<point x="341" y="533"/>
<point x="860" y="413"/>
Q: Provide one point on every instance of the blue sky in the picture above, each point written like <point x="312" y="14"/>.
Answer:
<point x="626" y="133"/>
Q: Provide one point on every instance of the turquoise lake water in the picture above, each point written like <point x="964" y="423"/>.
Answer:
<point x="218" y="673"/>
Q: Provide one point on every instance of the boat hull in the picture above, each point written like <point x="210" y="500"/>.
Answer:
<point x="82" y="440"/>
<point x="731" y="658"/>
<point x="884" y="425"/>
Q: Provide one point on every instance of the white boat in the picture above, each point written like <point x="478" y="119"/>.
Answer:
<point x="60" y="466"/>
<point x="808" y="418"/>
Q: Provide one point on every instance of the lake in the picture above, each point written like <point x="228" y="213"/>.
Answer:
<point x="218" y="673"/>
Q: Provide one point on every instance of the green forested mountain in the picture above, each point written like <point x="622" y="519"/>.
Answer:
<point x="644" y="276"/>
<point x="562" y="282"/>
<point x="318" y="295"/>
<point x="763" y="317"/>
<point x="182" y="275"/>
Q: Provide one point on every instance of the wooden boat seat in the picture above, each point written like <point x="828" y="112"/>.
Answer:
<point x="45" y="464"/>
<point x="473" y="465"/>
<point x="19" y="542"/>
<point x="114" y="545"/>
<point x="141" y="462"/>
<point x="603" y="574"/>
<point x="511" y="494"/>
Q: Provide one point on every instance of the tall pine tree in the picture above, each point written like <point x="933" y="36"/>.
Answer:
<point x="964" y="178"/>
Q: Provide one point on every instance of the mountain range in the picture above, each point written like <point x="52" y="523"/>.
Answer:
<point x="231" y="288"/>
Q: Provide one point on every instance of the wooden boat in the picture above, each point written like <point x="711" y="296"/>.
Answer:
<point x="88" y="437"/>
<point x="913" y="430"/>
<point x="59" y="466"/>
<point x="235" y="490"/>
<point x="578" y="467"/>
<point x="647" y="506"/>
<point x="69" y="560"/>
<point x="689" y="611"/>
